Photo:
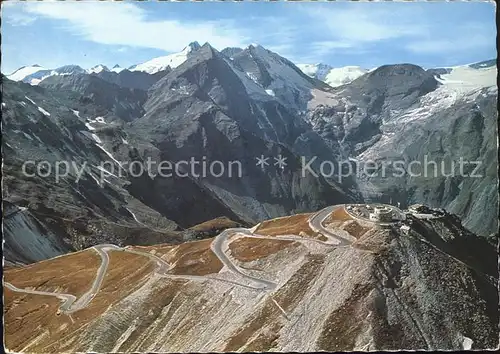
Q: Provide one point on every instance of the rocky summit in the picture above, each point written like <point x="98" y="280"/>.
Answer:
<point x="230" y="200"/>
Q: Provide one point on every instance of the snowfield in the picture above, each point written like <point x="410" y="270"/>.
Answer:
<point x="117" y="69"/>
<point x="24" y="71"/>
<point x="465" y="80"/>
<point x="341" y="76"/>
<point x="462" y="83"/>
<point x="318" y="71"/>
<point x="161" y="63"/>
<point x="97" y="69"/>
<point x="332" y="76"/>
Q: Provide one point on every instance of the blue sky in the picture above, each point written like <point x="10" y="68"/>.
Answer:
<point x="430" y="34"/>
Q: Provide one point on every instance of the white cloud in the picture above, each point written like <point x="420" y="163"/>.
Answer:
<point x="439" y="46"/>
<point x="118" y="23"/>
<point x="358" y="25"/>
<point x="299" y="32"/>
<point x="468" y="37"/>
<point x="20" y="19"/>
<point x="357" y="29"/>
<point x="361" y="29"/>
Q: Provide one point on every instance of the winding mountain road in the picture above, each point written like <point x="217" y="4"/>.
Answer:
<point x="219" y="247"/>
<point x="316" y="224"/>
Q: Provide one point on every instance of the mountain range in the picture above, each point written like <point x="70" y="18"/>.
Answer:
<point x="35" y="73"/>
<point x="237" y="105"/>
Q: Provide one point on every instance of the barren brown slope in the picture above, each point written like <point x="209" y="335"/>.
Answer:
<point x="399" y="293"/>
<point x="34" y="320"/>
<point x="250" y="249"/>
<point x="73" y="273"/>
<point x="189" y="258"/>
<point x="288" y="225"/>
<point x="215" y="225"/>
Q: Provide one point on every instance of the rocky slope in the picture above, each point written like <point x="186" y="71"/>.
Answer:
<point x="85" y="205"/>
<point x="430" y="287"/>
<point x="401" y="113"/>
<point x="202" y="109"/>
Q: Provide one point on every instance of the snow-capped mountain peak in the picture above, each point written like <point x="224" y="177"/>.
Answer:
<point x="318" y="71"/>
<point x="35" y="74"/>
<point x="97" y="69"/>
<point x="254" y="46"/>
<point x="24" y="71"/>
<point x="332" y="76"/>
<point x="172" y="60"/>
<point x="193" y="46"/>
<point x="117" y="68"/>
<point x="69" y="69"/>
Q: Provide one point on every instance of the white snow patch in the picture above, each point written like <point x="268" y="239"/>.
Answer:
<point x="76" y="113"/>
<point x="97" y="139"/>
<point x="124" y="141"/>
<point x="97" y="120"/>
<point x="341" y="76"/>
<point x="36" y="81"/>
<point x="97" y="69"/>
<point x="462" y="83"/>
<point x="37" y="138"/>
<point x="102" y="169"/>
<point x="309" y="69"/>
<point x="332" y="76"/>
<point x="21" y="73"/>
<point x="135" y="217"/>
<point x="252" y="77"/>
<point x="89" y="127"/>
<point x="318" y="71"/>
<point x="464" y="79"/>
<point x="43" y="111"/>
<point x="27" y="136"/>
<point x="3" y="104"/>
<point x="270" y="92"/>
<point x="29" y="99"/>
<point x="117" y="69"/>
<point x="161" y="63"/>
<point x="467" y="343"/>
<point x="110" y="155"/>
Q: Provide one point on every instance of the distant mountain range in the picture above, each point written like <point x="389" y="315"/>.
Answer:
<point x="333" y="76"/>
<point x="35" y="74"/>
